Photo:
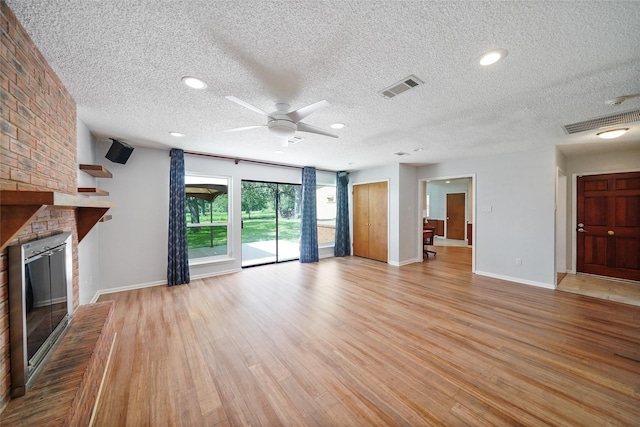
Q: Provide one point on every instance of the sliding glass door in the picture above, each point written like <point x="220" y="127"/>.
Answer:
<point x="270" y="222"/>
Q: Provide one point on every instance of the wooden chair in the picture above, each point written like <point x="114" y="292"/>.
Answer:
<point x="428" y="232"/>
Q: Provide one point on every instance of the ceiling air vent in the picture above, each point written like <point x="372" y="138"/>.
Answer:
<point x="401" y="153"/>
<point x="401" y="86"/>
<point x="602" y="122"/>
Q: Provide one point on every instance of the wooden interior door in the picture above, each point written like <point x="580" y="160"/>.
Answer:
<point x="455" y="216"/>
<point x="608" y="219"/>
<point x="378" y="206"/>
<point x="370" y="229"/>
<point x="361" y="220"/>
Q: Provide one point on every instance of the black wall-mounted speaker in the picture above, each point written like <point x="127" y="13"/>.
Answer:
<point x="119" y="152"/>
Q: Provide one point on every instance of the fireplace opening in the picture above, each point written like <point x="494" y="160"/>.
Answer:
<point x="40" y="288"/>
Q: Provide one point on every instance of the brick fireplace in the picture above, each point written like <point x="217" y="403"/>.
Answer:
<point x="38" y="147"/>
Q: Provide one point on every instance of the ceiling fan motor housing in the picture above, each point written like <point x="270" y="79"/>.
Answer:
<point x="281" y="125"/>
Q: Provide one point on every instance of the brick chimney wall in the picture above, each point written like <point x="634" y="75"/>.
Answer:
<point x="38" y="146"/>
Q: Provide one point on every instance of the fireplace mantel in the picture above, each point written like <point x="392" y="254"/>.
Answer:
<point x="20" y="207"/>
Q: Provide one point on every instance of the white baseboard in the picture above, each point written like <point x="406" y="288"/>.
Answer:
<point x="213" y="274"/>
<point x="329" y="255"/>
<point x="517" y="280"/>
<point x="405" y="262"/>
<point x="126" y="288"/>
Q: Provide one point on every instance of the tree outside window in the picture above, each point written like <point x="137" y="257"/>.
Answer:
<point x="207" y="215"/>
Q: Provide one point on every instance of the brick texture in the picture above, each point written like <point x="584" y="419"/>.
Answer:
<point x="38" y="146"/>
<point x="65" y="392"/>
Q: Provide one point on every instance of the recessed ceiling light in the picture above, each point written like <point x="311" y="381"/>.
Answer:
<point x="337" y="125"/>
<point x="177" y="134"/>
<point x="279" y="152"/>
<point x="620" y="99"/>
<point x="194" y="83"/>
<point x="493" y="56"/>
<point x="612" y="133"/>
<point x="418" y="150"/>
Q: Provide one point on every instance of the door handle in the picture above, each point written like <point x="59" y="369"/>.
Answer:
<point x="581" y="225"/>
<point x="611" y="233"/>
<point x="581" y="230"/>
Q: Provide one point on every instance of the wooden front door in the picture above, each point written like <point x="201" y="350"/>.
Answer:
<point x="608" y="219"/>
<point x="455" y="216"/>
<point x="370" y="221"/>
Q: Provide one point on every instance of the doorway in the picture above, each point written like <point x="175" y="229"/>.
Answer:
<point x="270" y="222"/>
<point x="432" y="205"/>
<point x="608" y="225"/>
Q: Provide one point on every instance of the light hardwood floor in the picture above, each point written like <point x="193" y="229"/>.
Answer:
<point x="349" y="342"/>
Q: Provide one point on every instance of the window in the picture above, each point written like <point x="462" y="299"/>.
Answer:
<point x="326" y="211"/>
<point x="207" y="216"/>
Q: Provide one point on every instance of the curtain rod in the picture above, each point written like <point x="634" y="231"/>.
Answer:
<point x="259" y="162"/>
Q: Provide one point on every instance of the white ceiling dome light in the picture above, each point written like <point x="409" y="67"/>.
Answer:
<point x="612" y="133"/>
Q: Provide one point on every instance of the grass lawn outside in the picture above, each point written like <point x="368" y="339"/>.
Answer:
<point x="260" y="227"/>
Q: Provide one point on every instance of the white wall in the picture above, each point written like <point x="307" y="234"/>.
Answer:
<point x="88" y="249"/>
<point x="134" y="243"/>
<point x="515" y="201"/>
<point x="407" y="215"/>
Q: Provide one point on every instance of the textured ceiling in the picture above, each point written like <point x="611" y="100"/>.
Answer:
<point x="122" y="61"/>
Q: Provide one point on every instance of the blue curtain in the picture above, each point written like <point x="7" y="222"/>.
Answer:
<point x="178" y="259"/>
<point x="309" y="228"/>
<point x="343" y="239"/>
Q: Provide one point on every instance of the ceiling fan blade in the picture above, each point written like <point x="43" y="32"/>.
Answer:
<point x="303" y="112"/>
<point x="245" y="128"/>
<point x="246" y="105"/>
<point x="303" y="127"/>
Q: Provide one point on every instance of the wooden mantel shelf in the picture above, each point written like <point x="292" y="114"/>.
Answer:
<point x="20" y="207"/>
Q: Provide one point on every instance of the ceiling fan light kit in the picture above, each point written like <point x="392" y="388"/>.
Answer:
<point x="280" y="124"/>
<point x="284" y="123"/>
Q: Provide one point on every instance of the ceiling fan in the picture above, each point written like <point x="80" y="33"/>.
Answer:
<point x="284" y="123"/>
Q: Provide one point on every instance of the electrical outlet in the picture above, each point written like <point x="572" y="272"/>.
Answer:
<point x="518" y="261"/>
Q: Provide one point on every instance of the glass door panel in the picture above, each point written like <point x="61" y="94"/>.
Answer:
<point x="259" y="244"/>
<point x="289" y="201"/>
<point x="270" y="222"/>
